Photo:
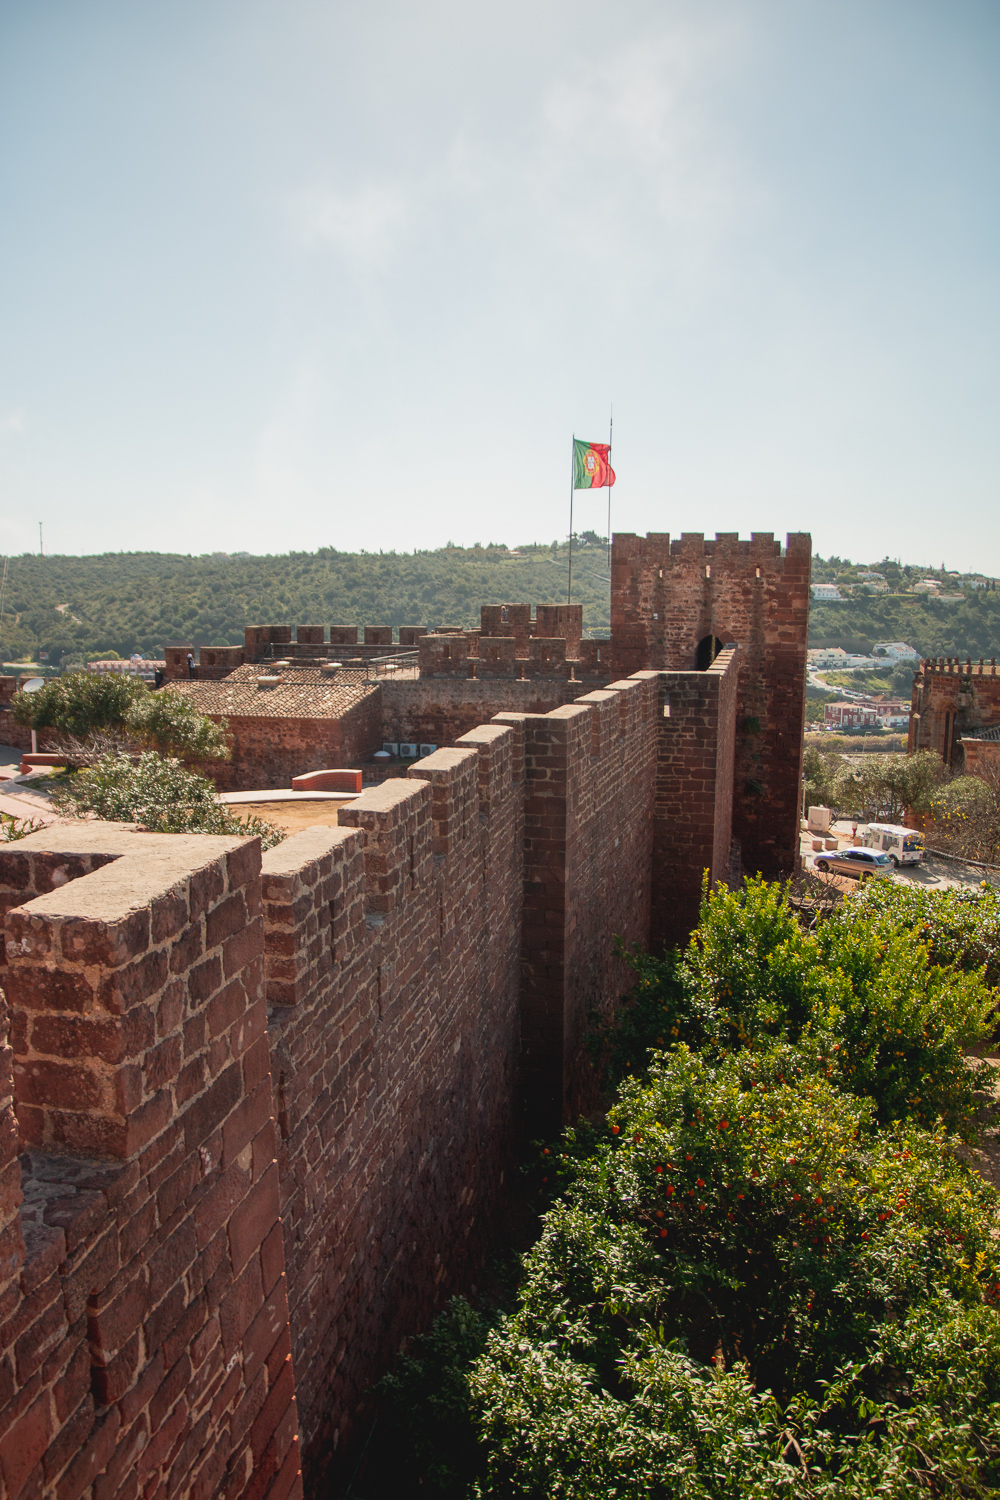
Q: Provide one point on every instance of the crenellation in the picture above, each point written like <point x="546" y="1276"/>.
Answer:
<point x="135" y="1068"/>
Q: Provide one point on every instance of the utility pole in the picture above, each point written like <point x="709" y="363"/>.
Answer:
<point x="41" y="548"/>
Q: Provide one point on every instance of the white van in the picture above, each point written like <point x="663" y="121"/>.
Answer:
<point x="905" y="846"/>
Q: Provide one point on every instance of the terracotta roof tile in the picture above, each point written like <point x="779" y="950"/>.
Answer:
<point x="302" y="693"/>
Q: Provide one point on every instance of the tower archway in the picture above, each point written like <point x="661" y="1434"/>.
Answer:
<point x="708" y="649"/>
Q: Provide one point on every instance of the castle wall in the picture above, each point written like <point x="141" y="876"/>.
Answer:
<point x="18" y="735"/>
<point x="393" y="966"/>
<point x="952" y="698"/>
<point x="589" y="781"/>
<point x="437" y="710"/>
<point x="980" y="757"/>
<point x="670" y="598"/>
<point x="694" y="781"/>
<point x="143" y="1311"/>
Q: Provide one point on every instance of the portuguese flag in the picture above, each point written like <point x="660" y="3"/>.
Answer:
<point x="591" y="470"/>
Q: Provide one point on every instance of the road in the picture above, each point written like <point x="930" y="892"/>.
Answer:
<point x="932" y="874"/>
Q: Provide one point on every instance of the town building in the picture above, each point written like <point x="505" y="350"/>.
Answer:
<point x="836" y="658"/>
<point x="849" y="715"/>
<point x="896" y="651"/>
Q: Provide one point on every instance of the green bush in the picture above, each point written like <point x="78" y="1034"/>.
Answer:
<point x="679" y="1428"/>
<point x="79" y="703"/>
<point x="883" y="1011"/>
<point x="768" y="1273"/>
<point x="83" y="708"/>
<point x="425" y="1406"/>
<point x="159" y="795"/>
<point x="961" y="927"/>
<point x="744" y="1265"/>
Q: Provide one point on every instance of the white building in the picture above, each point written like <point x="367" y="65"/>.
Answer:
<point x="895" y="651"/>
<point x="826" y="591"/>
<point x="836" y="657"/>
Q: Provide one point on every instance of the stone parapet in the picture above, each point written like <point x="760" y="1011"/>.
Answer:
<point x="142" y="1286"/>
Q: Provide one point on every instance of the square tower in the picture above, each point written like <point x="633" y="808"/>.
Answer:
<point x="676" y="604"/>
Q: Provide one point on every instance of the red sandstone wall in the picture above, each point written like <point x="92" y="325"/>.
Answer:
<point x="952" y="698"/>
<point x="668" y="596"/>
<point x="406" y="950"/>
<point x="392" y="956"/>
<point x="589" y="773"/>
<point x="143" y="1313"/>
<point x="20" y="737"/>
<point x="694" y="775"/>
<point x="437" y="710"/>
<point x="268" y="752"/>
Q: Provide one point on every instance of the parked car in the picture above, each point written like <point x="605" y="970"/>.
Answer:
<point x="863" y="864"/>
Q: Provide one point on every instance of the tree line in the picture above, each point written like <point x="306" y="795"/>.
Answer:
<point x="84" y="608"/>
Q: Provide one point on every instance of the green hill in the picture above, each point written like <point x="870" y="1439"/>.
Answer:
<point x="930" y="626"/>
<point x="83" y="607"/>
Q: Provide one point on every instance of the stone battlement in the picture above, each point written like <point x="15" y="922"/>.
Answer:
<point x="952" y="699"/>
<point x="952" y="666"/>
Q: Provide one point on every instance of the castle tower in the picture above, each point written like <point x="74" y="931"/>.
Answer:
<point x="676" y="604"/>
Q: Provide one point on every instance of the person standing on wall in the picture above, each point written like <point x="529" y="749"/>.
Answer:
<point x="190" y="660"/>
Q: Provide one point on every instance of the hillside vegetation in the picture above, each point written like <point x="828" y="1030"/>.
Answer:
<point x="80" y="608"/>
<point x="930" y="626"/>
<point x="84" y="607"/>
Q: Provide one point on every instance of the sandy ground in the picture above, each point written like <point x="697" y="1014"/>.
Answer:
<point x="292" y="816"/>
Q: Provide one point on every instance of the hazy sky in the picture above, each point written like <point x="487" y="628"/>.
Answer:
<point x="278" y="274"/>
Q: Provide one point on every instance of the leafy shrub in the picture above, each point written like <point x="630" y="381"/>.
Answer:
<point x="83" y="707"/>
<point x="742" y="1236"/>
<point x="768" y="1273"/>
<point x="158" y="794"/>
<point x="425" y="1406"/>
<point x="881" y="1010"/>
<point x="961" y="927"/>
<point x="679" y="1428"/>
<point x="78" y="703"/>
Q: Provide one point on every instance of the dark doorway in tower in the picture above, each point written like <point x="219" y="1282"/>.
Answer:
<point x="708" y="649"/>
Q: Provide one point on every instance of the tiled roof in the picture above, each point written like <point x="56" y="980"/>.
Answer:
<point x="302" y="693"/>
<point x="983" y="734"/>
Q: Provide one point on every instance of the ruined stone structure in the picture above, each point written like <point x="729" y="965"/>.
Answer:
<point x="265" y="1105"/>
<point x="952" y="701"/>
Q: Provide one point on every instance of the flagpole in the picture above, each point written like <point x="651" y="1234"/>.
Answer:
<point x="611" y="433"/>
<point x="572" y="476"/>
